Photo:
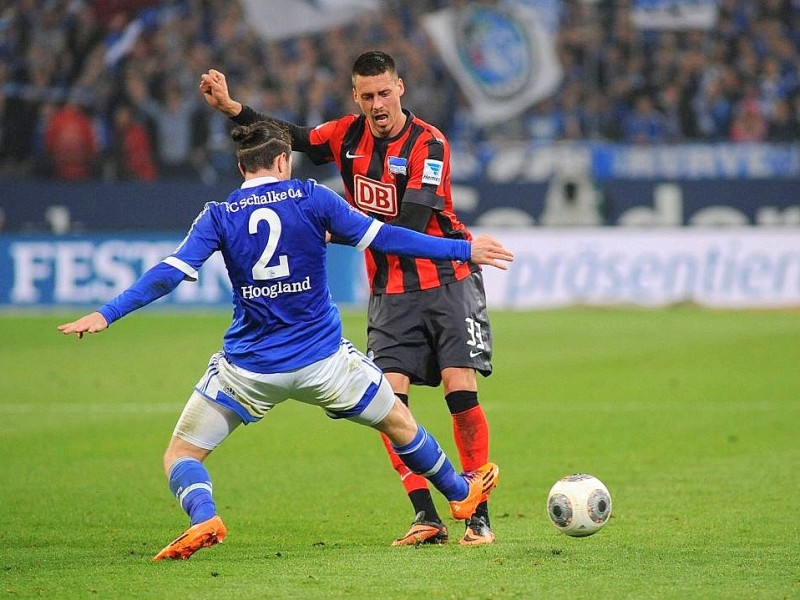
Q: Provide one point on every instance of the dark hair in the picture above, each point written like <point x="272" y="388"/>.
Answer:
<point x="373" y="63"/>
<point x="260" y="143"/>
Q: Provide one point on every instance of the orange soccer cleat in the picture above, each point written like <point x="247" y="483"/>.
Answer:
<point x="481" y="482"/>
<point x="478" y="532"/>
<point x="423" y="532"/>
<point x="198" y="536"/>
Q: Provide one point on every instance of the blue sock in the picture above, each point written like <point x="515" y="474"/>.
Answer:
<point x="191" y="484"/>
<point x="424" y="456"/>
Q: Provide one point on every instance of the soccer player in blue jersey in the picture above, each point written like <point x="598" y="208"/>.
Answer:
<point x="428" y="322"/>
<point x="285" y="340"/>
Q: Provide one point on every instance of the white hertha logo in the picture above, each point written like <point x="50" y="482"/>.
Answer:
<point x="374" y="196"/>
<point x="432" y="171"/>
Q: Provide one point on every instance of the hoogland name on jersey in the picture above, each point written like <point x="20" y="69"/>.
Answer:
<point x="276" y="289"/>
<point x="268" y="198"/>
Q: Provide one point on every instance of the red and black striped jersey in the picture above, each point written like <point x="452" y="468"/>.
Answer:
<point x="379" y="175"/>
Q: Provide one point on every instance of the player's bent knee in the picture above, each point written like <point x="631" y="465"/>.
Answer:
<point x="178" y="449"/>
<point x="459" y="378"/>
<point x="399" y="424"/>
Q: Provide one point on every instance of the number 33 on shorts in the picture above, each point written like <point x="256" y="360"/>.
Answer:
<point x="475" y="338"/>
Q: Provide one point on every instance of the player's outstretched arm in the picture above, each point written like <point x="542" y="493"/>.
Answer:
<point x="214" y="88"/>
<point x="487" y="250"/>
<point x="91" y="323"/>
<point x="156" y="282"/>
<point x="483" y="250"/>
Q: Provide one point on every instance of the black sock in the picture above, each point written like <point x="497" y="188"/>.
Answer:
<point x="422" y="501"/>
<point x="483" y="511"/>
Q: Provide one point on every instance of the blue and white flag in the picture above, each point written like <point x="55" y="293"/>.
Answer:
<point x="502" y="57"/>
<point x="398" y="165"/>
<point x="282" y="19"/>
<point x="675" y="14"/>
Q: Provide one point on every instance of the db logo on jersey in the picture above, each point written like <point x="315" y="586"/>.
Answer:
<point x="374" y="196"/>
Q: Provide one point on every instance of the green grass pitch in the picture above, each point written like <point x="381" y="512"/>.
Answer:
<point x="691" y="417"/>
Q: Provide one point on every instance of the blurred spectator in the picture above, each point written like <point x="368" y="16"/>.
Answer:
<point x="713" y="110"/>
<point x="219" y="149"/>
<point x="678" y="117"/>
<point x="771" y="85"/>
<point x="179" y="131"/>
<point x="70" y="143"/>
<point x="644" y="124"/>
<point x="598" y="122"/>
<point x="571" y="114"/>
<point x="749" y="124"/>
<point x="620" y="83"/>
<point x="29" y="84"/>
<point x="544" y="124"/>
<point x="132" y="156"/>
<point x="320" y="103"/>
<point x="783" y="124"/>
<point x="84" y="33"/>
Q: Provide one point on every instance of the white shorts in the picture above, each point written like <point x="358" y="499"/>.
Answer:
<point x="346" y="385"/>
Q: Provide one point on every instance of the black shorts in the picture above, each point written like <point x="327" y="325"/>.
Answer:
<point x="420" y="333"/>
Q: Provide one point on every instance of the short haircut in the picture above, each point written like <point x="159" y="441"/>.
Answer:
<point x="372" y="63"/>
<point x="260" y="143"/>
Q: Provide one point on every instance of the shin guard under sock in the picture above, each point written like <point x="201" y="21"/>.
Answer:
<point x="191" y="484"/>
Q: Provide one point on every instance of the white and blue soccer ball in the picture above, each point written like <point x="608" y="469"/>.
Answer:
<point x="579" y="505"/>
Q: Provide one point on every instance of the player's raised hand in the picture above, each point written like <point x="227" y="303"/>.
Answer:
<point x="92" y="323"/>
<point x="487" y="250"/>
<point x="214" y="88"/>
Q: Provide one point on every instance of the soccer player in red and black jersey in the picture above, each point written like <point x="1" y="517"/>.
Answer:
<point x="427" y="319"/>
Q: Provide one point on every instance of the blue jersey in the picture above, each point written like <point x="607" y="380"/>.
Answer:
<point x="271" y="235"/>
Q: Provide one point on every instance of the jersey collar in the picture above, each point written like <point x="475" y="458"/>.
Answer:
<point x="256" y="181"/>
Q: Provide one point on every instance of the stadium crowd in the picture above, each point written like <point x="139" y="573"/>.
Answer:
<point x="108" y="88"/>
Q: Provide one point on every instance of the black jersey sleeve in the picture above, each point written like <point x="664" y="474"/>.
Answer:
<point x="300" y="137"/>
<point x="413" y="216"/>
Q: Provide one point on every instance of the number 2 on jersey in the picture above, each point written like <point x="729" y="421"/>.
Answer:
<point x="261" y="270"/>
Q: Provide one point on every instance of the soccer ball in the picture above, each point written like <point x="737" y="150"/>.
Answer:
<point x="579" y="505"/>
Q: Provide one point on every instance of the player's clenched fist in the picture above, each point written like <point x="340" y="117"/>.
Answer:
<point x="215" y="91"/>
